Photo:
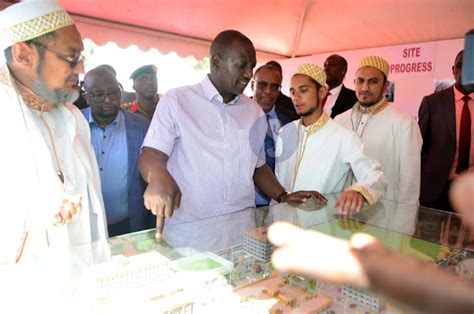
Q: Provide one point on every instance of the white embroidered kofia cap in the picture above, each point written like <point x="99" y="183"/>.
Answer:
<point x="31" y="19"/>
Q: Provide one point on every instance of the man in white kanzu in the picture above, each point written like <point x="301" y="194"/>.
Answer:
<point x="325" y="152"/>
<point x="50" y="189"/>
<point x="390" y="136"/>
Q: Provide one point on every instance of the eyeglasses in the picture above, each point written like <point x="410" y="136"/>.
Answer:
<point x="264" y="85"/>
<point x="73" y="61"/>
<point x="100" y="97"/>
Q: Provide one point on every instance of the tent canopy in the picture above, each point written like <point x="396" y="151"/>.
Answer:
<point x="278" y="28"/>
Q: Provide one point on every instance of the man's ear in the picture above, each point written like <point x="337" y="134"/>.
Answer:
<point x="216" y="60"/>
<point x="86" y="97"/>
<point x="323" y="91"/>
<point x="386" y="86"/>
<point x="23" y="54"/>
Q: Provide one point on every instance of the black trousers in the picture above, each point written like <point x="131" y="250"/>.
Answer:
<point x="442" y="202"/>
<point x="119" y="228"/>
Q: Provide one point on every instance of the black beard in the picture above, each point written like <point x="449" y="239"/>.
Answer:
<point x="309" y="112"/>
<point x="367" y="105"/>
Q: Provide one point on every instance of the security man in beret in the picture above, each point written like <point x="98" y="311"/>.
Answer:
<point x="145" y="85"/>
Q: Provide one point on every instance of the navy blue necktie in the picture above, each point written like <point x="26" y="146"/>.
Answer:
<point x="270" y="146"/>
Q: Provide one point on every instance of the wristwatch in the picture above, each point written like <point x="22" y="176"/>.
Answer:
<point x="278" y="199"/>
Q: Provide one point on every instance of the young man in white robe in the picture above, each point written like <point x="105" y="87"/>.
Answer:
<point x="49" y="182"/>
<point x="315" y="153"/>
<point x="390" y="136"/>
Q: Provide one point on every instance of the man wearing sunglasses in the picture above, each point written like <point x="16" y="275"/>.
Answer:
<point x="266" y="85"/>
<point x="50" y="182"/>
<point x="117" y="136"/>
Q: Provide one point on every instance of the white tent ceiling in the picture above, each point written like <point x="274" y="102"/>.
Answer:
<point x="278" y="28"/>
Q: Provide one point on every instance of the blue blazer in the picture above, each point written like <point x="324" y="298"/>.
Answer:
<point x="136" y="126"/>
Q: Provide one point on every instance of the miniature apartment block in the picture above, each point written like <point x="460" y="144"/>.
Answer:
<point x="362" y="297"/>
<point x="257" y="245"/>
<point x="126" y="272"/>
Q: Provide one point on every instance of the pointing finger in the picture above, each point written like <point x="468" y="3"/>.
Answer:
<point x="160" y="222"/>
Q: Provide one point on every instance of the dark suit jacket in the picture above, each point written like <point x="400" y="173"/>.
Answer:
<point x="283" y="116"/>
<point x="136" y="126"/>
<point x="285" y="106"/>
<point x="345" y="101"/>
<point x="437" y="121"/>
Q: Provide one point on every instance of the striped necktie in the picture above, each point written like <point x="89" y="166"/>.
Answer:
<point x="270" y="146"/>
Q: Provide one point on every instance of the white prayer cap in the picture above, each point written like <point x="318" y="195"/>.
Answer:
<point x="31" y="19"/>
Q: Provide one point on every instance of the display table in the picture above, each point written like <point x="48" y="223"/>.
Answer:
<point x="222" y="264"/>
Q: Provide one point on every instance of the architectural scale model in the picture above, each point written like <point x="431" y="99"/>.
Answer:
<point x="126" y="272"/>
<point x="284" y="299"/>
<point x="257" y="245"/>
<point x="361" y="296"/>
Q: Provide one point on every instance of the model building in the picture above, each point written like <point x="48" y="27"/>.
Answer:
<point x="257" y="245"/>
<point x="361" y="296"/>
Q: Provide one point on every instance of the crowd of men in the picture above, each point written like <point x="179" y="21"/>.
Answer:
<point x="207" y="149"/>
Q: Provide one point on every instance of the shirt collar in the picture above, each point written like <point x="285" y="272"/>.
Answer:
<point x="336" y="90"/>
<point x="212" y="93"/>
<point x="117" y="119"/>
<point x="458" y="95"/>
<point x="272" y="113"/>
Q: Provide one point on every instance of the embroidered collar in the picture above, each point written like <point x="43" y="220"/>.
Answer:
<point x="30" y="98"/>
<point x="375" y="108"/>
<point x="5" y="75"/>
<point x="316" y="126"/>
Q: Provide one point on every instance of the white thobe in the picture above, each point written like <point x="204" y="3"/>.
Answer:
<point x="325" y="160"/>
<point x="31" y="191"/>
<point x="393" y="138"/>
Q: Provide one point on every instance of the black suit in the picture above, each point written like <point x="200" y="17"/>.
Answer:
<point x="345" y="101"/>
<point x="283" y="116"/>
<point x="284" y="105"/>
<point x="437" y="121"/>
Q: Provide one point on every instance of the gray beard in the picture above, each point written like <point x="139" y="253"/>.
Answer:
<point x="55" y="96"/>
